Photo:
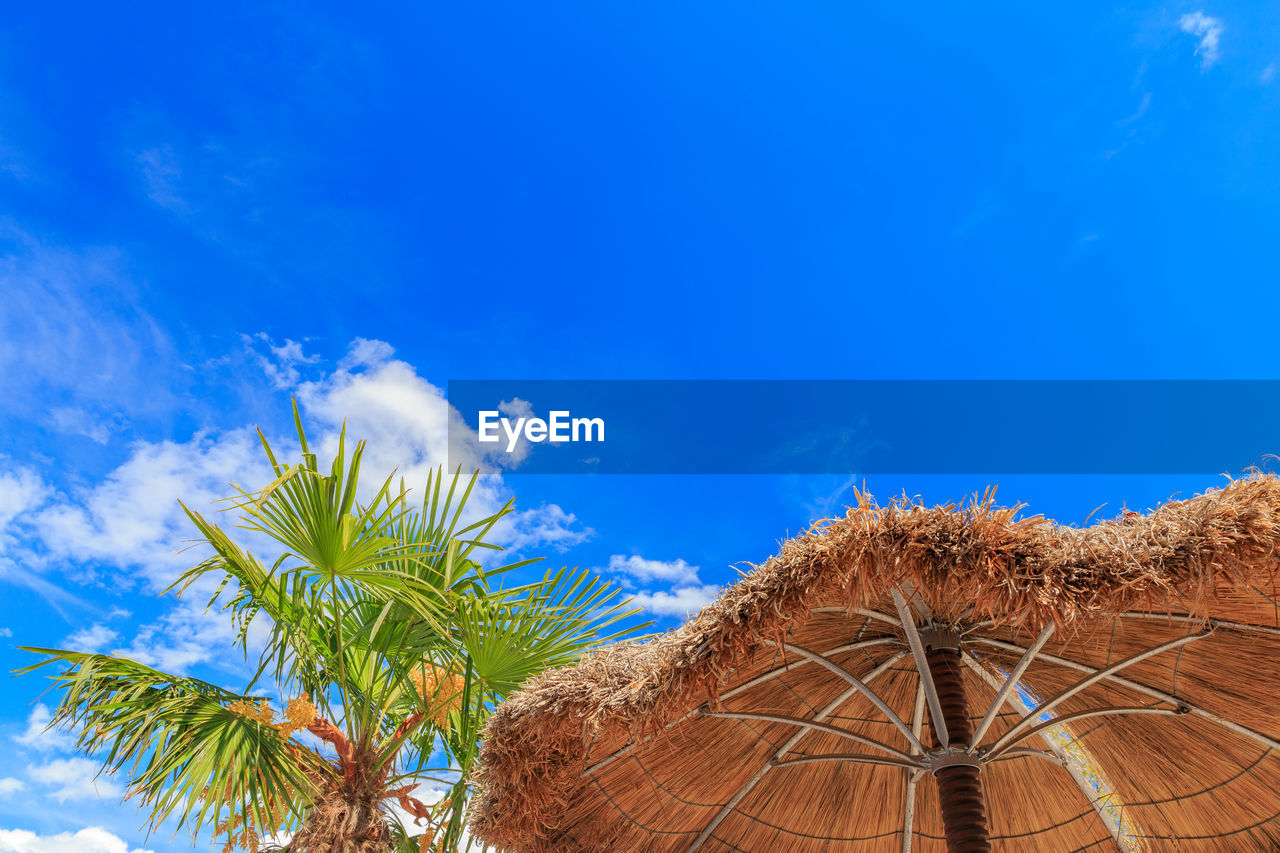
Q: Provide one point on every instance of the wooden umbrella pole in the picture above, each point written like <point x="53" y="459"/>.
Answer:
<point x="964" y="818"/>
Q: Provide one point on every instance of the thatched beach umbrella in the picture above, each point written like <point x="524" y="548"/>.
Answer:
<point x="925" y="679"/>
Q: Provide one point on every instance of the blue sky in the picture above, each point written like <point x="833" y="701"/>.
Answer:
<point x="203" y="213"/>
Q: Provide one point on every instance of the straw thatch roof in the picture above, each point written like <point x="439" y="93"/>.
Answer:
<point x="625" y="751"/>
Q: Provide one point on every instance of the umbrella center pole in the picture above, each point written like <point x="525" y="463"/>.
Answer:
<point x="964" y="818"/>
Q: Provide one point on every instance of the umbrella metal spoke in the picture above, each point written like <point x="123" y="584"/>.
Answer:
<point x="977" y="626"/>
<point x="817" y="727"/>
<point x="1026" y="752"/>
<point x="843" y="757"/>
<point x="922" y="666"/>
<point x="826" y="711"/>
<point x="1010" y="683"/>
<point x="1138" y="687"/>
<point x="909" y="799"/>
<point x="870" y="614"/>
<point x="1083" y="684"/>
<point x="997" y="751"/>
<point x="787" y="667"/>
<point x="860" y="686"/>
<point x="1193" y="620"/>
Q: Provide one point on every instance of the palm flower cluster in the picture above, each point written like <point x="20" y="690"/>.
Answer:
<point x="440" y="690"/>
<point x="298" y="713"/>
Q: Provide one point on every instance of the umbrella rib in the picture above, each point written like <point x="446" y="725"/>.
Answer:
<point x="1192" y="620"/>
<point x="814" y="726"/>
<point x="1024" y="751"/>
<point x="1088" y="681"/>
<point x="870" y="614"/>
<point x="760" y="679"/>
<point x="846" y="757"/>
<point x="922" y="667"/>
<point x="860" y="686"/>
<point x="773" y="673"/>
<point x="1079" y="715"/>
<point x="827" y="711"/>
<point x="909" y="798"/>
<point x="1009" y="684"/>
<point x="1016" y="704"/>
<point x="1153" y="692"/>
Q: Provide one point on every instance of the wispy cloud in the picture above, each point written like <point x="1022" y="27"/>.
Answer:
<point x="97" y="427"/>
<point x="10" y="785"/>
<point x="74" y="779"/>
<point x="39" y="736"/>
<point x="1209" y="31"/>
<point x="1267" y="74"/>
<point x="162" y="177"/>
<point x="71" y="329"/>
<point x="1138" y="113"/>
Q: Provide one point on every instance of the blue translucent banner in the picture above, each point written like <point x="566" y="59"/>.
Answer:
<point x="865" y="426"/>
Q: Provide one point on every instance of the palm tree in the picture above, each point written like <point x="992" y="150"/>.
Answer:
<point x="386" y="641"/>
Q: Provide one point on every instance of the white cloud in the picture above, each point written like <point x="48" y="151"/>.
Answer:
<point x="1209" y="30"/>
<point x="95" y="638"/>
<point x="132" y="520"/>
<point x="184" y="637"/>
<point x="93" y="839"/>
<point x="281" y="365"/>
<point x="10" y="785"/>
<point x="516" y="408"/>
<point x="681" y="601"/>
<point x="1267" y="74"/>
<point x="38" y="735"/>
<point x="544" y="526"/>
<point x="675" y="571"/>
<point x="74" y="779"/>
<point x="20" y="491"/>
<point x="6" y="632"/>
<point x="404" y="417"/>
<point x="685" y="595"/>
